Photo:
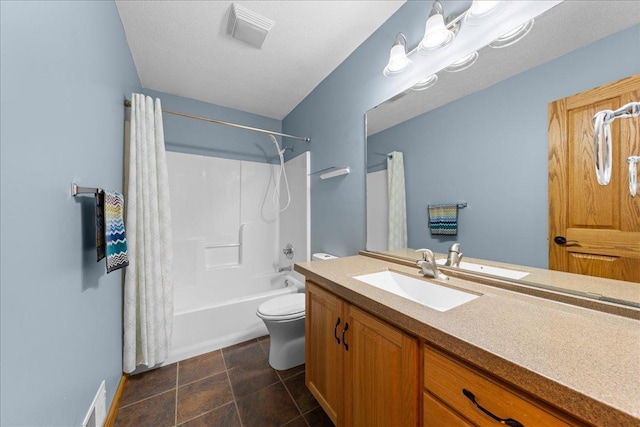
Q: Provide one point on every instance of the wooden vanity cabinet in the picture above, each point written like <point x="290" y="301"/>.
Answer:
<point x="362" y="371"/>
<point x="445" y="404"/>
<point x="324" y="323"/>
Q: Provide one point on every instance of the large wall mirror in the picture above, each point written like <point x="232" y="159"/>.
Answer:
<point x="479" y="136"/>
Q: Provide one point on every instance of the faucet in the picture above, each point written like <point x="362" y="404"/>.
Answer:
<point x="454" y="257"/>
<point x="287" y="268"/>
<point x="429" y="266"/>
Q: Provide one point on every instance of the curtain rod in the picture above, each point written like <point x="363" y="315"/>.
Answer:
<point x="127" y="103"/>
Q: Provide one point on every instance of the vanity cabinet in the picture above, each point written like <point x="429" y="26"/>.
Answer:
<point x="445" y="403"/>
<point x="362" y="371"/>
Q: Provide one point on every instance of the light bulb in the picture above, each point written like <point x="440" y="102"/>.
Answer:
<point x="435" y="34"/>
<point x="481" y="10"/>
<point x="398" y="61"/>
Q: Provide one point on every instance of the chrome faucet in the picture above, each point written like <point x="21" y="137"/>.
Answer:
<point x="429" y="266"/>
<point x="454" y="257"/>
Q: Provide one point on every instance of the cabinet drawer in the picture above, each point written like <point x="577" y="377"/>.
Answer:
<point x="436" y="414"/>
<point x="446" y="378"/>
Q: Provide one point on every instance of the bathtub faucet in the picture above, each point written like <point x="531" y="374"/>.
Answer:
<point x="281" y="269"/>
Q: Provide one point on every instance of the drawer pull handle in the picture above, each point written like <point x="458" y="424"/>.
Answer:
<point x="335" y="331"/>
<point x="344" y="331"/>
<point x="506" y="421"/>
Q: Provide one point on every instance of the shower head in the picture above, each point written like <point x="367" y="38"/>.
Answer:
<point x="273" y="139"/>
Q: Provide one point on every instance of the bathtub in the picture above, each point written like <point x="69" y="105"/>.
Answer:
<point x="201" y="325"/>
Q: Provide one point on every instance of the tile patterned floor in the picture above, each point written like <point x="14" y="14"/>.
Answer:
<point x="232" y="387"/>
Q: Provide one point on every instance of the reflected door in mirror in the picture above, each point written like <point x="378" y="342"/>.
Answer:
<point x="593" y="229"/>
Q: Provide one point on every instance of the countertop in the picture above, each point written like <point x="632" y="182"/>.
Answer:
<point x="583" y="361"/>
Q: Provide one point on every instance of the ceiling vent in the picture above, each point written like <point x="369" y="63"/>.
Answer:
<point x="248" y="26"/>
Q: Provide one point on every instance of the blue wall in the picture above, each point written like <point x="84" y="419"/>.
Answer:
<point x="333" y="116"/>
<point x="65" y="71"/>
<point x="187" y="135"/>
<point x="490" y="149"/>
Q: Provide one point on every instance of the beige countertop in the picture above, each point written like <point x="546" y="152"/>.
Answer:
<point x="583" y="361"/>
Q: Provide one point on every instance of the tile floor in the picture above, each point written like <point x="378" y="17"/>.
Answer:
<point x="234" y="386"/>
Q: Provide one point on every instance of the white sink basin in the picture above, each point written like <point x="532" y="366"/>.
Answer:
<point x="486" y="269"/>
<point x="438" y="297"/>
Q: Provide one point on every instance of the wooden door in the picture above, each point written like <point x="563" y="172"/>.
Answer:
<point x="323" y="345"/>
<point x="381" y="374"/>
<point x="600" y="223"/>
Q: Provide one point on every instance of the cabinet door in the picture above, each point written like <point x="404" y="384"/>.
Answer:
<point x="381" y="377"/>
<point x="324" y="322"/>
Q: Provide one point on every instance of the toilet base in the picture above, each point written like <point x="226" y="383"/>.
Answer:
<point x="290" y="355"/>
<point x="286" y="347"/>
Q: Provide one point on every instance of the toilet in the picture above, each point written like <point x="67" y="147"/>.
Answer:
<point x="284" y="319"/>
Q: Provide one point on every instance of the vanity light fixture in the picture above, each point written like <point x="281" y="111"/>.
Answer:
<point x="425" y="83"/>
<point x="463" y="64"/>
<point x="474" y="28"/>
<point x="513" y="36"/>
<point x="398" y="61"/>
<point x="436" y="34"/>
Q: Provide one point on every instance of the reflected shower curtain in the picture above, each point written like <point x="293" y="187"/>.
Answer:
<point x="148" y="283"/>
<point x="397" y="201"/>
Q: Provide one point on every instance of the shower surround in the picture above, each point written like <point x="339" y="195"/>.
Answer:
<point x="228" y="240"/>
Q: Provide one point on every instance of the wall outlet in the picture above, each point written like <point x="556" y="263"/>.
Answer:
<point x="97" y="413"/>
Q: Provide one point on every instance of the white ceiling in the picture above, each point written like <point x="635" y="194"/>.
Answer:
<point x="566" y="27"/>
<point x="182" y="48"/>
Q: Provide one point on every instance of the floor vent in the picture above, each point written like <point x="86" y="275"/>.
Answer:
<point x="97" y="413"/>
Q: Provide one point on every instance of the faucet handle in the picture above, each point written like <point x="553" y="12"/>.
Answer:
<point x="427" y="254"/>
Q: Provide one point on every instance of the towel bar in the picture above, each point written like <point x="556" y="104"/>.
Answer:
<point x="460" y="205"/>
<point x="76" y="189"/>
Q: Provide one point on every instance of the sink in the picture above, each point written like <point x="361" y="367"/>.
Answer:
<point x="487" y="269"/>
<point x="438" y="297"/>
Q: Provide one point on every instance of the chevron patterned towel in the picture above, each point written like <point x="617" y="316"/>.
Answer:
<point x="443" y="219"/>
<point x="115" y="236"/>
<point x="101" y="246"/>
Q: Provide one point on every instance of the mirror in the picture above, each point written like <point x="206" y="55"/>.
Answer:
<point x="479" y="136"/>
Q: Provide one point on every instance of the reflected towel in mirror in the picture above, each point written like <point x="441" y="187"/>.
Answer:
<point x="443" y="219"/>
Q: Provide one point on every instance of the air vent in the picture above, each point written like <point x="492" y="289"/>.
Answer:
<point x="97" y="413"/>
<point x="248" y="26"/>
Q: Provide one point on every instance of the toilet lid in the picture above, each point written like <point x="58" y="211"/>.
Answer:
<point x="283" y="307"/>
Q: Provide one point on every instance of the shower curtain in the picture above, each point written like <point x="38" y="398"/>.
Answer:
<point x="148" y="283"/>
<point x="397" y="201"/>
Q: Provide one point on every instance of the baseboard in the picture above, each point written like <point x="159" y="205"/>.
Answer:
<point x="115" y="405"/>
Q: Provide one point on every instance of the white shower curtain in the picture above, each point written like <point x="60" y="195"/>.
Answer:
<point x="397" y="201"/>
<point x="148" y="284"/>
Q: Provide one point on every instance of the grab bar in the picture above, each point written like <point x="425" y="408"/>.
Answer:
<point x="223" y="245"/>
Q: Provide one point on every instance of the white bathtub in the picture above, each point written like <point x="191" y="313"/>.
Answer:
<point x="201" y="325"/>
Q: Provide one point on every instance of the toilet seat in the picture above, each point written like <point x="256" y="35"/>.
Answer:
<point x="286" y="307"/>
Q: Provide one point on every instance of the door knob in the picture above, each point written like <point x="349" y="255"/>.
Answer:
<point x="562" y="241"/>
